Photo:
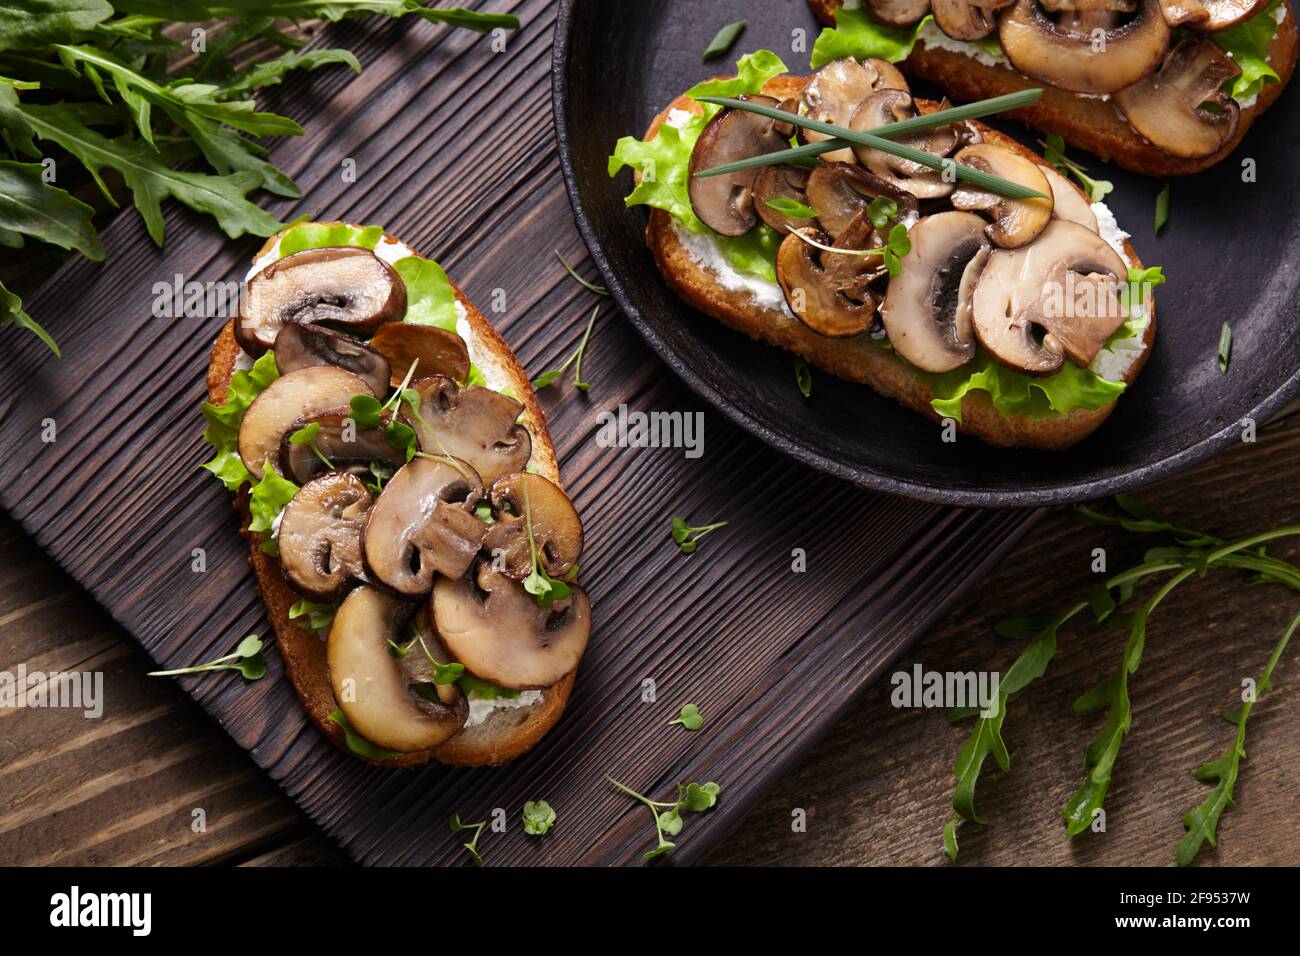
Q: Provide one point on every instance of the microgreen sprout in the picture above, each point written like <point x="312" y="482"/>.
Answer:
<point x="689" y="718"/>
<point x="442" y="673"/>
<point x="791" y="207"/>
<point x="472" y="845"/>
<point x="546" y="378"/>
<point x="687" y="537"/>
<point x="589" y="286"/>
<point x="892" y="252"/>
<point x="307" y="436"/>
<point x="694" y="797"/>
<point x="247" y="659"/>
<point x="545" y="589"/>
<point x="538" y="817"/>
<point x="1054" y="153"/>
<point x="319" y="616"/>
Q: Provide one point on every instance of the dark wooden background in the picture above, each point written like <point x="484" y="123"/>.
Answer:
<point x="730" y="627"/>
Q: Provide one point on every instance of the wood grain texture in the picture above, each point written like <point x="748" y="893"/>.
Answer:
<point x="454" y="153"/>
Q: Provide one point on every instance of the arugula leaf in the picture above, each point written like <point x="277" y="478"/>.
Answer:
<point x="11" y="313"/>
<point x="1247" y="43"/>
<point x="950" y="840"/>
<point x="223" y="420"/>
<point x="150" y="179"/>
<point x="14" y="128"/>
<point x="35" y="208"/>
<point x="1202" y="822"/>
<point x="197" y="10"/>
<point x="31" y="24"/>
<point x="272" y="72"/>
<point x="538" y="817"/>
<point x="358" y="744"/>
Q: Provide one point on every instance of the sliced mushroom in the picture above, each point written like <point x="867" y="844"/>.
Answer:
<point x="1090" y="6"/>
<point x="302" y="346"/>
<point x="474" y="424"/>
<point x="1068" y="202"/>
<point x="1221" y="14"/>
<point x="726" y="203"/>
<point x="837" y="89"/>
<point x="1056" y="297"/>
<point x="348" y="448"/>
<point x="899" y="13"/>
<point x="300" y="394"/>
<point x="1015" y="221"/>
<point x="782" y="181"/>
<point x="497" y="630"/>
<point x="556" y="529"/>
<point x="841" y="191"/>
<point x="1179" y="13"/>
<point x="926" y="311"/>
<point x="342" y="285"/>
<point x="422" y="524"/>
<point x="967" y="20"/>
<point x="438" y="351"/>
<point x="320" y="535"/>
<point x="830" y="292"/>
<point x="375" y="689"/>
<point x="1170" y="109"/>
<point x="893" y="106"/>
<point x="1086" y="52"/>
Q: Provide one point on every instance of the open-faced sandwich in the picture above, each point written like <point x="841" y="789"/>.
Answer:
<point x="401" y="501"/>
<point x="1023" y="319"/>
<point x="1162" y="87"/>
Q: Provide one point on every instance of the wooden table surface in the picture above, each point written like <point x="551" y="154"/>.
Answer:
<point x="122" y="790"/>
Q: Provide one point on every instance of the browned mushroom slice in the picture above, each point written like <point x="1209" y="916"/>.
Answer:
<point x="475" y="424"/>
<point x="1066" y="54"/>
<point x="320" y="535"/>
<point x="1221" y="14"/>
<point x="302" y="346"/>
<point x="967" y="20"/>
<point x="341" y="285"/>
<point x="841" y="191"/>
<point x="1089" y="6"/>
<point x="557" y="531"/>
<point x="893" y="106"/>
<point x="836" y="90"/>
<point x="1068" y="202"/>
<point x="828" y="291"/>
<point x="495" y="628"/>
<point x="379" y="693"/>
<point x="726" y="203"/>
<point x="1181" y="108"/>
<point x="899" y="13"/>
<point x="347" y="448"/>
<point x="780" y="182"/>
<point x="926" y="311"/>
<point x="1015" y="221"/>
<point x="1189" y="13"/>
<point x="1056" y="297"/>
<point x="423" y="524"/>
<point x="439" y="352"/>
<point x="300" y="394"/>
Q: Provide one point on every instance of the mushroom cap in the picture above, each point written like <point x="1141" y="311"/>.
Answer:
<point x="1064" y="285"/>
<point x="927" y="307"/>
<point x="439" y="352"/>
<point x="348" y="448"/>
<point x="966" y="20"/>
<point x="1015" y="221"/>
<point x="841" y="191"/>
<point x="1169" y="106"/>
<point x="320" y="535"/>
<point x="726" y="203"/>
<point x="827" y="291"/>
<point x="557" y="530"/>
<point x="893" y="106"/>
<point x="1190" y="13"/>
<point x="302" y="345"/>
<point x="474" y="424"/>
<point x="297" y="395"/>
<point x="899" y="13"/>
<point x="1221" y="14"/>
<point x="836" y="90"/>
<point x="781" y="181"/>
<point x="1064" y="53"/>
<point x="375" y="689"/>
<point x="341" y="285"/>
<point x="1068" y="202"/>
<point x="422" y="524"/>
<point x="496" y="629"/>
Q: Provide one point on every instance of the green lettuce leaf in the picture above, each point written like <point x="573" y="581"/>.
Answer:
<point x="268" y="498"/>
<point x="857" y="35"/>
<point x="223" y="420"/>
<point x="430" y="299"/>
<point x="318" y="235"/>
<point x="664" y="161"/>
<point x="1014" y="394"/>
<point x="1248" y="43"/>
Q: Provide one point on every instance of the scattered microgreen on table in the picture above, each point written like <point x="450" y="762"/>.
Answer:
<point x="692" y="797"/>
<point x="687" y="537"/>
<point x="589" y="286"/>
<point x="546" y="378"/>
<point x="538" y="817"/>
<point x="689" y="718"/>
<point x="247" y="659"/>
<point x="472" y="845"/>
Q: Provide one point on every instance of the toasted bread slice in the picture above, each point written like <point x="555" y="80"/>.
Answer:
<point x="506" y="733"/>
<point x="857" y="359"/>
<point x="1089" y="123"/>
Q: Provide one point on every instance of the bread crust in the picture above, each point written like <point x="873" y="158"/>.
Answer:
<point x="1084" y="122"/>
<point x="506" y="733"/>
<point x="857" y="359"/>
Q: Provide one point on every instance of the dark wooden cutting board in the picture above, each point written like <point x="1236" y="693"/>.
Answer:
<point x="454" y="153"/>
